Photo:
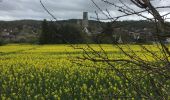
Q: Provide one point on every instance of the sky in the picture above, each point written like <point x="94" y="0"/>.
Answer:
<point x="65" y="9"/>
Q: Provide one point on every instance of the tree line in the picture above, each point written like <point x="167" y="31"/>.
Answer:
<point x="62" y="33"/>
<point x="53" y="33"/>
<point x="68" y="31"/>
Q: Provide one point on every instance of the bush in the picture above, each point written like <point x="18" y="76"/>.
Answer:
<point x="2" y="42"/>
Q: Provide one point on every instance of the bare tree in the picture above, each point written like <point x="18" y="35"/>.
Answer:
<point x="141" y="69"/>
<point x="146" y="74"/>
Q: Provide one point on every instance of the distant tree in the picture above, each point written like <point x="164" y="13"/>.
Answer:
<point x="2" y="42"/>
<point x="72" y="34"/>
<point x="43" y="39"/>
<point x="108" y="29"/>
<point x="57" y="34"/>
<point x="107" y="34"/>
<point x="55" y="37"/>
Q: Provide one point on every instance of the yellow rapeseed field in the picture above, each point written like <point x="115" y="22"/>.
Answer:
<point x="38" y="72"/>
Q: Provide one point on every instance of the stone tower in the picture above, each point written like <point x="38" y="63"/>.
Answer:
<point x="85" y="19"/>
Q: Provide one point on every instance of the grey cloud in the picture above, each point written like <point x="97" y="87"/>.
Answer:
<point x="62" y="9"/>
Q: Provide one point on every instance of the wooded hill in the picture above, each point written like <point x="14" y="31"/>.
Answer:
<point x="30" y="30"/>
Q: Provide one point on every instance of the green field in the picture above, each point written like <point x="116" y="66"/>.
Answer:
<point x="30" y="72"/>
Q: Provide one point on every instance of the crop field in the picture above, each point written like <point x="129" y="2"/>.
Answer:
<point x="39" y="72"/>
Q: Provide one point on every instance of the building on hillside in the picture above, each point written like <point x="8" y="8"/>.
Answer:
<point x="121" y="35"/>
<point x="6" y="34"/>
<point x="85" y="19"/>
<point x="120" y="40"/>
<point x="135" y="35"/>
<point x="26" y="30"/>
<point x="85" y="23"/>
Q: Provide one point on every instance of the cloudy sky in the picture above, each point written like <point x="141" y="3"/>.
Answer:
<point x="62" y="9"/>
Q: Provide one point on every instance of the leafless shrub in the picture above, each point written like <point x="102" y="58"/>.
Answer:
<point x="146" y="74"/>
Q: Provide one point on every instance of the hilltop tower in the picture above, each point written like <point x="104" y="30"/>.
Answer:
<point x="85" y="23"/>
<point x="85" y="19"/>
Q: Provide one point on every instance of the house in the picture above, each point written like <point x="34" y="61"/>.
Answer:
<point x="6" y="35"/>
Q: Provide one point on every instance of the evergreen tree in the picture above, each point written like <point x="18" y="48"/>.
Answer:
<point x="72" y="34"/>
<point x="108" y="29"/>
<point x="44" y="36"/>
<point x="107" y="34"/>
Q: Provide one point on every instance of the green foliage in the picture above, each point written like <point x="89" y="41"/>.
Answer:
<point x="107" y="34"/>
<point x="51" y="32"/>
<point x="72" y="34"/>
<point x="2" y="42"/>
<point x="45" y="34"/>
<point x="68" y="33"/>
<point x="108" y="29"/>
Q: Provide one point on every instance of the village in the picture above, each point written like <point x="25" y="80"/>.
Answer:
<point x="30" y="32"/>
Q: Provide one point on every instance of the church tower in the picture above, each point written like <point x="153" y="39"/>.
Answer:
<point x="85" y="19"/>
<point x="85" y="23"/>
